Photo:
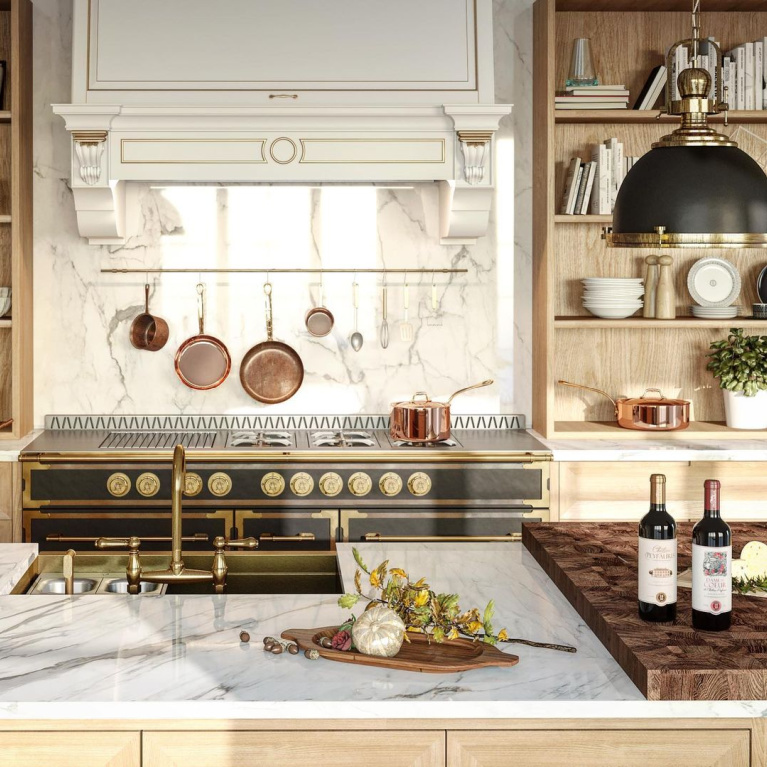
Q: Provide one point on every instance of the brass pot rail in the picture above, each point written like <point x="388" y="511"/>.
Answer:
<point x="378" y="538"/>
<point x="267" y="271"/>
<point x="59" y="538"/>
<point x="298" y="538"/>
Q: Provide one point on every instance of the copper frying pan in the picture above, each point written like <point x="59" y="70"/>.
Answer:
<point x="148" y="331"/>
<point x="202" y="361"/>
<point x="271" y="371"/>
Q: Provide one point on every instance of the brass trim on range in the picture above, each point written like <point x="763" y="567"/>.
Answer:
<point x="544" y="502"/>
<point x="683" y="240"/>
<point x="330" y="514"/>
<point x="345" y="516"/>
<point x="29" y="515"/>
<point x="378" y="538"/>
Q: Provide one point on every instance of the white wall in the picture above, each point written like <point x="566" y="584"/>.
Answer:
<point x="84" y="362"/>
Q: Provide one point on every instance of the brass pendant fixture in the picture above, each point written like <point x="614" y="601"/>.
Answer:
<point x="695" y="187"/>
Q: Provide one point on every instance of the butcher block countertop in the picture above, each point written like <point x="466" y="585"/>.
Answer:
<point x="595" y="567"/>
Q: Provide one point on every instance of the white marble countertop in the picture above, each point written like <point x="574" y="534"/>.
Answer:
<point x="10" y="449"/>
<point x="15" y="558"/>
<point x="657" y="450"/>
<point x="129" y="657"/>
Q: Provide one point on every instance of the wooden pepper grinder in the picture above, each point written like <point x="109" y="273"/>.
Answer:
<point x="650" y="286"/>
<point x="665" y="299"/>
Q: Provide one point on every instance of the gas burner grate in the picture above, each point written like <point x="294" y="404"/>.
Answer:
<point x="261" y="439"/>
<point x="343" y="439"/>
<point x="158" y="440"/>
<point x="449" y="442"/>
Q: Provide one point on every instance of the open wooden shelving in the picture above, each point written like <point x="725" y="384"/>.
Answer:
<point x="623" y="357"/>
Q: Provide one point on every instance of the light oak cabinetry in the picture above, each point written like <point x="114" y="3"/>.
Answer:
<point x="294" y="749"/>
<point x="623" y="748"/>
<point x="70" y="749"/>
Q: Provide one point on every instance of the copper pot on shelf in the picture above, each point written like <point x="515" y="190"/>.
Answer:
<point x="644" y="413"/>
<point x="424" y="420"/>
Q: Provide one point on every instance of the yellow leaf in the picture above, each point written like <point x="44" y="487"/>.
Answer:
<point x="453" y="633"/>
<point x="503" y="635"/>
<point x="375" y="581"/>
<point x="474" y="627"/>
<point x="421" y="598"/>
<point x="397" y="571"/>
<point x="415" y="630"/>
<point x="357" y="582"/>
<point x="420" y="584"/>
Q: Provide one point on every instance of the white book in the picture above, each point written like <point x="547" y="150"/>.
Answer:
<point x="659" y="88"/>
<point x="727" y="79"/>
<point x="600" y="200"/>
<point x="589" y="172"/>
<point x="749" y="84"/>
<point x="581" y="188"/>
<point x="612" y="156"/>
<point x="740" y="77"/>
<point x="758" y="74"/>
<point x="592" y="105"/>
<point x="571" y="186"/>
<point x="619" y="168"/>
<point x="764" y="72"/>
<point x="711" y="67"/>
<point x="675" y="74"/>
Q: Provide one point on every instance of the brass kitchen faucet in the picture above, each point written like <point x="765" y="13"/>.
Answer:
<point x="176" y="572"/>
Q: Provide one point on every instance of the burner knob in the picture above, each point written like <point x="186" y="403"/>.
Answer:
<point x="331" y="484"/>
<point x="301" y="483"/>
<point x="118" y="484"/>
<point x="419" y="483"/>
<point x="390" y="483"/>
<point x="219" y="483"/>
<point x="148" y="484"/>
<point x="360" y="483"/>
<point x="272" y="484"/>
<point x="192" y="484"/>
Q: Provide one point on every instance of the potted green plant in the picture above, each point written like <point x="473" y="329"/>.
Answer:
<point x="740" y="364"/>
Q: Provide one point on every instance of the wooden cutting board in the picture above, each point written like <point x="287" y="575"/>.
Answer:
<point x="417" y="655"/>
<point x="595" y="567"/>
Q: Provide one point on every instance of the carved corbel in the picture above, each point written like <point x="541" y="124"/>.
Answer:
<point x="474" y="145"/>
<point x="89" y="149"/>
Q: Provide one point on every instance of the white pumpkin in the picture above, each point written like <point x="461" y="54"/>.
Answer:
<point x="378" y="631"/>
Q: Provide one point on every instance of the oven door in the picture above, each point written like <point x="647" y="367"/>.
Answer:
<point x="60" y="530"/>
<point x="290" y="530"/>
<point x="443" y="527"/>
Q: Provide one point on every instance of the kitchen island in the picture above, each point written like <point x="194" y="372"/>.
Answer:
<point x="160" y="665"/>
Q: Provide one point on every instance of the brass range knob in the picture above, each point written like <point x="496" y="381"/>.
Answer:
<point x="301" y="483"/>
<point x="331" y="484"/>
<point x="419" y="483"/>
<point x="360" y="483"/>
<point x="148" y="484"/>
<point x="192" y="484"/>
<point x="272" y="484"/>
<point x="118" y="484"/>
<point x="219" y="483"/>
<point x="390" y="483"/>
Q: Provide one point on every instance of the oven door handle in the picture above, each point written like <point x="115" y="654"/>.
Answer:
<point x="378" y="538"/>
<point x="299" y="538"/>
<point x="59" y="538"/>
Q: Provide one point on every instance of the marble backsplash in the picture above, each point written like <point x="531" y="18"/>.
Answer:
<point x="481" y="328"/>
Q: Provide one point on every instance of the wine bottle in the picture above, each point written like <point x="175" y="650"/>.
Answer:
<point x="657" y="557"/>
<point x="711" y="565"/>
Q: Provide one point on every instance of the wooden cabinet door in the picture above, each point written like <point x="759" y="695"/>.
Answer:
<point x="599" y="748"/>
<point x="70" y="749"/>
<point x="295" y="749"/>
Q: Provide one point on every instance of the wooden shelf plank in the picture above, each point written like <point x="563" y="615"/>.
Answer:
<point x="639" y="116"/>
<point x="560" y="219"/>
<point x="642" y="323"/>
<point x="6" y="322"/>
<point x="610" y="430"/>
<point x="5" y="219"/>
<point x="5" y="116"/>
<point x="658" y="5"/>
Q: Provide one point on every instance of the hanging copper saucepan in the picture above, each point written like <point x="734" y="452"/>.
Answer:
<point x="202" y="361"/>
<point x="271" y="371"/>
<point x="423" y="420"/>
<point x="147" y="331"/>
<point x="644" y="413"/>
<point x="319" y="320"/>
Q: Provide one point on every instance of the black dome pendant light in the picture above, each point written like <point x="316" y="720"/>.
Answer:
<point x="694" y="188"/>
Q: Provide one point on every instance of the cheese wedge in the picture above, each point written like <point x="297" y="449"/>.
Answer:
<point x="754" y="555"/>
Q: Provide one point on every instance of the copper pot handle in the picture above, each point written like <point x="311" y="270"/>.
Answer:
<point x="469" y="388"/>
<point x="146" y="298"/>
<point x="268" y="303"/>
<point x="426" y="397"/>
<point x="591" y="388"/>
<point x="660" y="393"/>
<point x="200" y="307"/>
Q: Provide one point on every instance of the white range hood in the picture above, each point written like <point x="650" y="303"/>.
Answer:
<point x="252" y="91"/>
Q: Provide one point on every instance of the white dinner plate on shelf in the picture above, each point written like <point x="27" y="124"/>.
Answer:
<point x="713" y="282"/>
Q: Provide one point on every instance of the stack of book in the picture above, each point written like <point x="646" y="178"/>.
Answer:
<point x="744" y="74"/>
<point x="652" y="89"/>
<point x="593" y="97"/>
<point x="591" y="187"/>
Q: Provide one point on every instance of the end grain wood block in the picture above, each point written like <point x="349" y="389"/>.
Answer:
<point x="595" y="567"/>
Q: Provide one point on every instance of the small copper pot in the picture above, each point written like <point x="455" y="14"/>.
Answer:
<point x="423" y="420"/>
<point x="646" y="414"/>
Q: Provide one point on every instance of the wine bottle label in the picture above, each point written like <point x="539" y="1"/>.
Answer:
<point x="657" y="571"/>
<point x="712" y="579"/>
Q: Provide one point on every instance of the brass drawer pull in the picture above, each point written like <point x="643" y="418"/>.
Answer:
<point x="283" y="95"/>
<point x="508" y="538"/>
<point x="300" y="538"/>
<point x="59" y="538"/>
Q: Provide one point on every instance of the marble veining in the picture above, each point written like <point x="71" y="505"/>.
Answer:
<point x="480" y="329"/>
<point x="15" y="558"/>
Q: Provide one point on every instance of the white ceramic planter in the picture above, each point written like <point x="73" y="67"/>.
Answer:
<point x="744" y="412"/>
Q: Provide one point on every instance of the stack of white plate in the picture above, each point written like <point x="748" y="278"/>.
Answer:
<point x="715" y="312"/>
<point x="612" y="298"/>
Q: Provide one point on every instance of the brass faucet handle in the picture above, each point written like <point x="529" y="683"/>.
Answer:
<point x="220" y="543"/>
<point x="132" y="543"/>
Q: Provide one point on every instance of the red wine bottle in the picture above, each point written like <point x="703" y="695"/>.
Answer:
<point x="711" y="566"/>
<point x="657" y="557"/>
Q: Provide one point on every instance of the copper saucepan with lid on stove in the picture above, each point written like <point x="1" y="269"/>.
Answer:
<point x="423" y="420"/>
<point x="645" y="413"/>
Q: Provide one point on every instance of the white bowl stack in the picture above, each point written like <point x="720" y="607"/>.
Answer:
<point x="613" y="298"/>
